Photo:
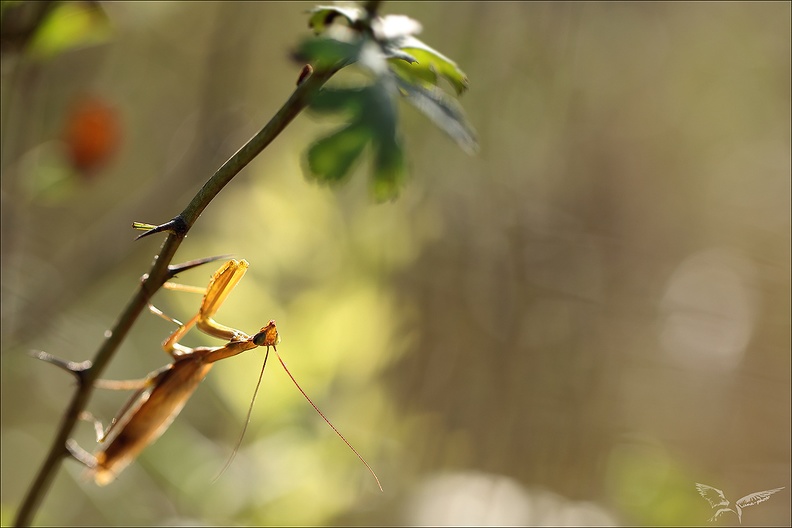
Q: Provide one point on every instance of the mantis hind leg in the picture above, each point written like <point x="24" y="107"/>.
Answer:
<point x="74" y="449"/>
<point x="98" y="427"/>
<point x="156" y="311"/>
<point x="175" y="286"/>
<point x="171" y="344"/>
<point x="80" y="454"/>
<point x="138" y="385"/>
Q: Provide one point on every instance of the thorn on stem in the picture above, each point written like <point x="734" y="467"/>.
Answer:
<point x="174" y="269"/>
<point x="177" y="226"/>
<point x="73" y="367"/>
<point x="306" y="72"/>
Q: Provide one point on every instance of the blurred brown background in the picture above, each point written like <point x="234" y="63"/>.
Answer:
<point x="572" y="327"/>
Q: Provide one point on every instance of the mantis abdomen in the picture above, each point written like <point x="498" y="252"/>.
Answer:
<point x="149" y="413"/>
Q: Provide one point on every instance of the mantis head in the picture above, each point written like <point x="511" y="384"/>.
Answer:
<point x="267" y="336"/>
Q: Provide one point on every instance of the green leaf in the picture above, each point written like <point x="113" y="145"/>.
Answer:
<point x="331" y="158"/>
<point x="396" y="63"/>
<point x="413" y="74"/>
<point x="335" y="100"/>
<point x="328" y="52"/>
<point x="380" y="110"/>
<point x="443" y="111"/>
<point x="429" y="58"/>
<point x="323" y="16"/>
<point x="397" y="54"/>
<point x="381" y="114"/>
<point x="389" y="170"/>
<point x="373" y="119"/>
<point x="68" y="26"/>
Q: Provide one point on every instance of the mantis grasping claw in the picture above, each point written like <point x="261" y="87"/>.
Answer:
<point x="161" y="395"/>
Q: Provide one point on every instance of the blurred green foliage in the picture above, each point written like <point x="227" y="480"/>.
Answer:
<point x="69" y="25"/>
<point x="386" y="49"/>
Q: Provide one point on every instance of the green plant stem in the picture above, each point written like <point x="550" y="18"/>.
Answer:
<point x="153" y="281"/>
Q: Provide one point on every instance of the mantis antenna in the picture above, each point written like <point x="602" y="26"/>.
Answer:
<point x="247" y="421"/>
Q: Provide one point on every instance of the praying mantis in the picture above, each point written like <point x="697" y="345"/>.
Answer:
<point x="161" y="395"/>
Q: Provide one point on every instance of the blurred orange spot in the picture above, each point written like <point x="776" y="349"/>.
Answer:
<point x="92" y="133"/>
